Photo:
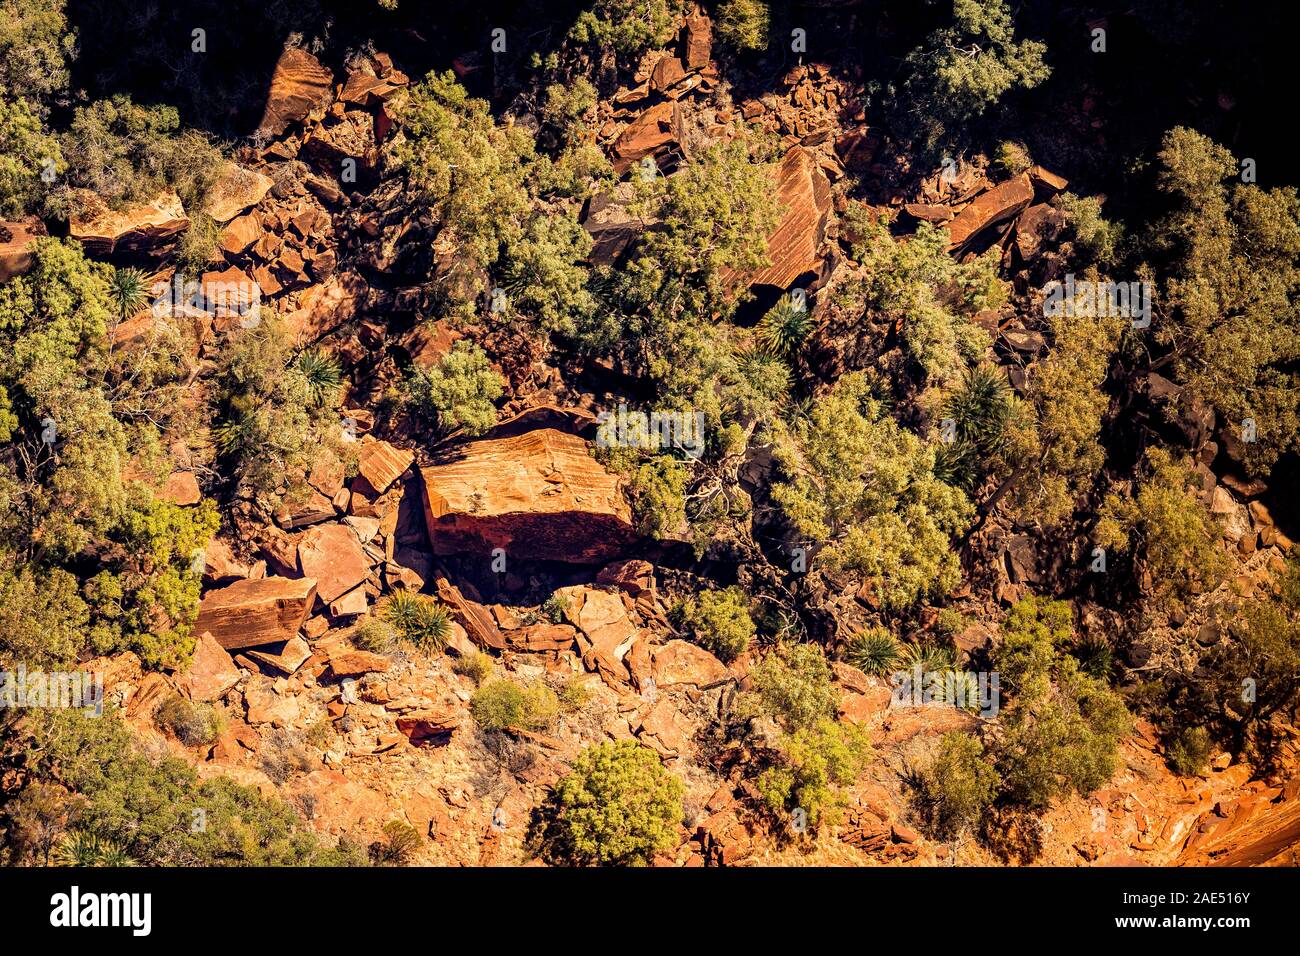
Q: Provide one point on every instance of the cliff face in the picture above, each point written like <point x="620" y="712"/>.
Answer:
<point x="529" y="543"/>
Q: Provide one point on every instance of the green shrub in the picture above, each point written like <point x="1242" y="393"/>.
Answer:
<point x="617" y="806"/>
<point x="744" y="23"/>
<point x="1167" y="527"/>
<point x="192" y="724"/>
<point x="553" y="607"/>
<point x="1011" y="158"/>
<point x="459" y="391"/>
<point x="505" y="705"/>
<point x="817" y="762"/>
<point x="793" y="687"/>
<point x="1094" y="240"/>
<point x="197" y="247"/>
<point x="418" y="619"/>
<point x="266" y="419"/>
<point x="962" y="70"/>
<point x="851" y="477"/>
<point x="657" y="488"/>
<point x="720" y="621"/>
<point x="43" y="619"/>
<point x="950" y="622"/>
<point x="36" y="44"/>
<point x="1190" y="752"/>
<point x="1263" y="654"/>
<point x="626" y="26"/>
<point x="958" y="786"/>
<point x="145" y="804"/>
<point x="399" y="844"/>
<point x="477" y="666"/>
<point x="575" y="693"/>
<point x="377" y="635"/>
<point x="1064" y="741"/>
<point x="25" y="151"/>
<point x="1033" y="631"/>
<point x="126" y="153"/>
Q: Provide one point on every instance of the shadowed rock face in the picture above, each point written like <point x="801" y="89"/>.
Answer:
<point x="16" y="240"/>
<point x="538" y="495"/>
<point x="997" y="205"/>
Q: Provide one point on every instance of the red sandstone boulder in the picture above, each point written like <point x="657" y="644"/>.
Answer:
<point x="16" y="240"/>
<point x="538" y="495"/>
<point x="250" y="613"/>
<point x="380" y="464"/>
<point x="332" y="555"/>
<point x="683" y="663"/>
<point x="653" y="132"/>
<point x="140" y="227"/>
<point x="211" y="672"/>
<point x="794" y="246"/>
<point x="999" y="204"/>
<point x="299" y="87"/>
<point x="236" y="190"/>
<point x="697" y="41"/>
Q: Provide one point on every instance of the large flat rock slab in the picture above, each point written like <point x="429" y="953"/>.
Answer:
<point x="539" y="496"/>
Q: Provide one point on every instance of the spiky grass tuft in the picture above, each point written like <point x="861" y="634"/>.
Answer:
<point x="129" y="290"/>
<point x="322" y="374"/>
<point x="785" y="328"/>
<point x="419" y="619"/>
<point x="874" y="651"/>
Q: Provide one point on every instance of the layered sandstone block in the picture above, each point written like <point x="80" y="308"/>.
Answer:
<point x="250" y="613"/>
<point x="539" y="496"/>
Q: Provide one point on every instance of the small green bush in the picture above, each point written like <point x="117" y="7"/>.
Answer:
<point x="793" y="687"/>
<point x="744" y="23"/>
<point x="376" y="635"/>
<point x="1190" y="752"/>
<point x="617" y="806"/>
<point x="817" y="762"/>
<point x="720" y="621"/>
<point x="958" y="786"/>
<point x="399" y="844"/>
<point x="1011" y="158"/>
<point x="459" y="391"/>
<point x="505" y="705"/>
<point x="575" y="694"/>
<point x="477" y="666"/>
<point x="553" y="607"/>
<point x="194" y="725"/>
